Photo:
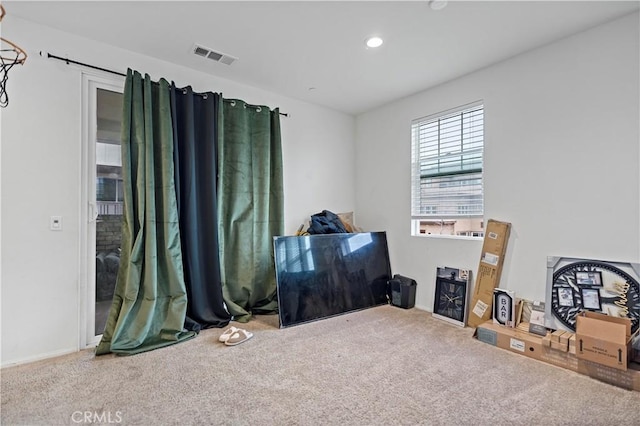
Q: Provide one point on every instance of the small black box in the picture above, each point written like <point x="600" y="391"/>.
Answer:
<point x="402" y="291"/>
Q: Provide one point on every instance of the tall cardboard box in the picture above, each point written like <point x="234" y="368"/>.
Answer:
<point x="604" y="339"/>
<point x="496" y="237"/>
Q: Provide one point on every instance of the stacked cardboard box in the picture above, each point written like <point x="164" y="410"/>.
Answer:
<point x="559" y="340"/>
<point x="533" y="346"/>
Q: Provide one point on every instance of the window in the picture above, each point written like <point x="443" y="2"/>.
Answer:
<point x="446" y="172"/>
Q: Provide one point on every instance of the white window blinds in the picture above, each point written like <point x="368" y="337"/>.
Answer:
<point x="446" y="164"/>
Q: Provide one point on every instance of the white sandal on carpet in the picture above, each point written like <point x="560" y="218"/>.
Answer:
<point x="238" y="337"/>
<point x="227" y="333"/>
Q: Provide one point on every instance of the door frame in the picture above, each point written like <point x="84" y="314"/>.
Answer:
<point x="88" y="209"/>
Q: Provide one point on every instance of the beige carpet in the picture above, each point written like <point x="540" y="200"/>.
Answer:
<point x="381" y="366"/>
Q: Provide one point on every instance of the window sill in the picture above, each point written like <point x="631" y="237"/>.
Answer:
<point x="448" y="237"/>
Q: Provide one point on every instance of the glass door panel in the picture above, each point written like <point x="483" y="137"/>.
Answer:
<point x="108" y="201"/>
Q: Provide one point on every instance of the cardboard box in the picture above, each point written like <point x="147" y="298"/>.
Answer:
<point x="523" y="326"/>
<point x="629" y="379"/>
<point x="519" y="309"/>
<point x="496" y="237"/>
<point x="560" y="340"/>
<point x="564" y="337"/>
<point x="555" y="336"/>
<point x="560" y="346"/>
<point x="604" y="339"/>
<point x="511" y="339"/>
<point x="532" y="346"/>
<point x="572" y="344"/>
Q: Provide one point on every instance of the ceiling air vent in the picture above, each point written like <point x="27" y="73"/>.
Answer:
<point x="205" y="52"/>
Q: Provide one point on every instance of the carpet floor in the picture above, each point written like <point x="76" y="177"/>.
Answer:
<point x="379" y="366"/>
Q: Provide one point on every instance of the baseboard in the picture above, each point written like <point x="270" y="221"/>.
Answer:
<point x="40" y="357"/>
<point x="422" y="308"/>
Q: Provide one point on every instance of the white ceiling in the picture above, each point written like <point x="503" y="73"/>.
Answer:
<point x="289" y="47"/>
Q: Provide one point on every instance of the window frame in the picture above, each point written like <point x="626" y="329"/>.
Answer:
<point x="444" y="172"/>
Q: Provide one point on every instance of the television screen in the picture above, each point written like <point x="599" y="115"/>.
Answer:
<point x="320" y="276"/>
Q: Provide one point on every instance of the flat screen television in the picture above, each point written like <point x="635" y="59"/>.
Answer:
<point x="320" y="276"/>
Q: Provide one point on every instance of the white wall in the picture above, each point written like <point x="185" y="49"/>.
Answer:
<point x="561" y="160"/>
<point x="562" y="129"/>
<point x="41" y="177"/>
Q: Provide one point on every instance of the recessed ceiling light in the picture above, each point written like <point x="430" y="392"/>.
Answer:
<point x="437" y="4"/>
<point x="373" y="42"/>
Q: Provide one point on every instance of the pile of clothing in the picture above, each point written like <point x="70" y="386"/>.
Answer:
<point x="327" y="222"/>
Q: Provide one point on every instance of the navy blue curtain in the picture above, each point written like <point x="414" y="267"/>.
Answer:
<point x="195" y="127"/>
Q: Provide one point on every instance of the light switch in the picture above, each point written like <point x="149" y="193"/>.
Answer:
<point x="56" y="223"/>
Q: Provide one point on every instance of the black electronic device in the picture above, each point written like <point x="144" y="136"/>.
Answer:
<point x="320" y="276"/>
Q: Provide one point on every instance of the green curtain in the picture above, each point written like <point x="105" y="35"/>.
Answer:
<point x="150" y="301"/>
<point x="251" y="206"/>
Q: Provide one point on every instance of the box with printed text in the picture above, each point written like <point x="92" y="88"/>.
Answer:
<point x="604" y="339"/>
<point x="494" y="249"/>
<point x="534" y="346"/>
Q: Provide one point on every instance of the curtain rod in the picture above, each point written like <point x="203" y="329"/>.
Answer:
<point x="71" y="61"/>
<point x="233" y="103"/>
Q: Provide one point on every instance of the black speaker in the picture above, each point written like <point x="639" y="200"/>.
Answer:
<point x="402" y="291"/>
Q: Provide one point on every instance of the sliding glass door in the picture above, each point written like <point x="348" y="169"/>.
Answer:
<point x="102" y="199"/>
<point x="108" y="201"/>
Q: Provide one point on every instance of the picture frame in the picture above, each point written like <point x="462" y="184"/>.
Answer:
<point x="451" y="295"/>
<point x="566" y="297"/>
<point x="619" y="290"/>
<point x="589" y="278"/>
<point x="504" y="307"/>
<point x="536" y="319"/>
<point x="591" y="299"/>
